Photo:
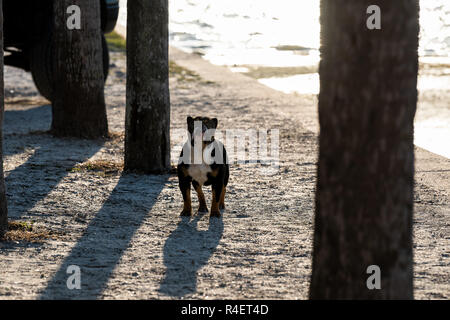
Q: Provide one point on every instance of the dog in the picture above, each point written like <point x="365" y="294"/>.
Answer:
<point x="203" y="161"/>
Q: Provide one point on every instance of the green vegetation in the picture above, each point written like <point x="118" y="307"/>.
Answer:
<point x="185" y="75"/>
<point x="115" y="41"/>
<point x="25" y="231"/>
<point x="181" y="73"/>
<point x="100" y="168"/>
<point x="20" y="225"/>
<point x="290" y="48"/>
<point x="278" y="72"/>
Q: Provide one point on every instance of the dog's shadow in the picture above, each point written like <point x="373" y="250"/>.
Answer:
<point x="186" y="250"/>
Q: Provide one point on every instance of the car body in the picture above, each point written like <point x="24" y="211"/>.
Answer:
<point x="27" y="30"/>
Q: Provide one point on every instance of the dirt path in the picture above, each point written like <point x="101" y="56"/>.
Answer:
<point x="124" y="230"/>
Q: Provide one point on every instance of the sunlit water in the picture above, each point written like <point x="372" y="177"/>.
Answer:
<point x="285" y="33"/>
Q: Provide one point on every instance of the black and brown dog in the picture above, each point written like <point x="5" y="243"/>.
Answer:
<point x="203" y="161"/>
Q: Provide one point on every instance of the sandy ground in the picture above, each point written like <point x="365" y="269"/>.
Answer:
<point x="124" y="230"/>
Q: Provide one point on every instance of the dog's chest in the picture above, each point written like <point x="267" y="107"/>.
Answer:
<point x="199" y="172"/>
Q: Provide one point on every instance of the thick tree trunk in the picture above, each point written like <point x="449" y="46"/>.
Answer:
<point x="78" y="98"/>
<point x="147" y="144"/>
<point x="3" y="207"/>
<point x="367" y="102"/>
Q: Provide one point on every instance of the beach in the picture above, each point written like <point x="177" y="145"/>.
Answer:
<point x="124" y="230"/>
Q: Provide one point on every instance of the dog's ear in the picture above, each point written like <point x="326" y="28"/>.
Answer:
<point x="214" y="122"/>
<point x="190" y="124"/>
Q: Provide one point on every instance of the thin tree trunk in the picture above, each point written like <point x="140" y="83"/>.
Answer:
<point x="3" y="207"/>
<point x="367" y="103"/>
<point x="78" y="98"/>
<point x="147" y="144"/>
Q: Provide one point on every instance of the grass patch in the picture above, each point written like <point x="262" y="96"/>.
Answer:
<point x="278" y="72"/>
<point x="183" y="74"/>
<point x="115" y="136"/>
<point x="101" y="168"/>
<point x="115" y="41"/>
<point x="428" y="65"/>
<point x="434" y="69"/>
<point x="32" y="101"/>
<point x="290" y="48"/>
<point x="25" y="231"/>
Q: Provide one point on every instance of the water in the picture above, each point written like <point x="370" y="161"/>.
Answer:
<point x="237" y="32"/>
<point x="245" y="34"/>
<point x="251" y="32"/>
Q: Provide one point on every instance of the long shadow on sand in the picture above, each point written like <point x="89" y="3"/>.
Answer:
<point x="187" y="250"/>
<point x="50" y="162"/>
<point x="106" y="238"/>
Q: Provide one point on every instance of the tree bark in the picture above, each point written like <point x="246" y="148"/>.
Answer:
<point x="78" y="99"/>
<point x="3" y="207"/>
<point x="147" y="138"/>
<point x="364" y="196"/>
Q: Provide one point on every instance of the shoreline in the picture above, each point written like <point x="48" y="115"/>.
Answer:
<point x="432" y="121"/>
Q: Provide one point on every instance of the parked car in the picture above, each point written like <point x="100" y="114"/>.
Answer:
<point x="28" y="29"/>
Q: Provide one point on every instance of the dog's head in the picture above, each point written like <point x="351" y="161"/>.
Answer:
<point x="199" y="125"/>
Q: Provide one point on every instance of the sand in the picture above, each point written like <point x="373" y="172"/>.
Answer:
<point x="124" y="230"/>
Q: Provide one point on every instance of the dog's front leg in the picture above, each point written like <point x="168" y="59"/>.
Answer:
<point x="216" y="194"/>
<point x="185" y="187"/>
<point x="202" y="208"/>
<point x="222" y="199"/>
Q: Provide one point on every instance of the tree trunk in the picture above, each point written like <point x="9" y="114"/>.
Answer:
<point x="3" y="207"/>
<point x="364" y="196"/>
<point x="147" y="144"/>
<point x="78" y="98"/>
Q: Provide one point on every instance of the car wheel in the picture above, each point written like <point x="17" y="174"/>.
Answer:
<point x="41" y="59"/>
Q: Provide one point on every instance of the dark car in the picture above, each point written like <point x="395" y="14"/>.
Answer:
<point x="28" y="29"/>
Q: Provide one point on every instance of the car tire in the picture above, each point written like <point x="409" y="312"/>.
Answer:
<point x="41" y="59"/>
